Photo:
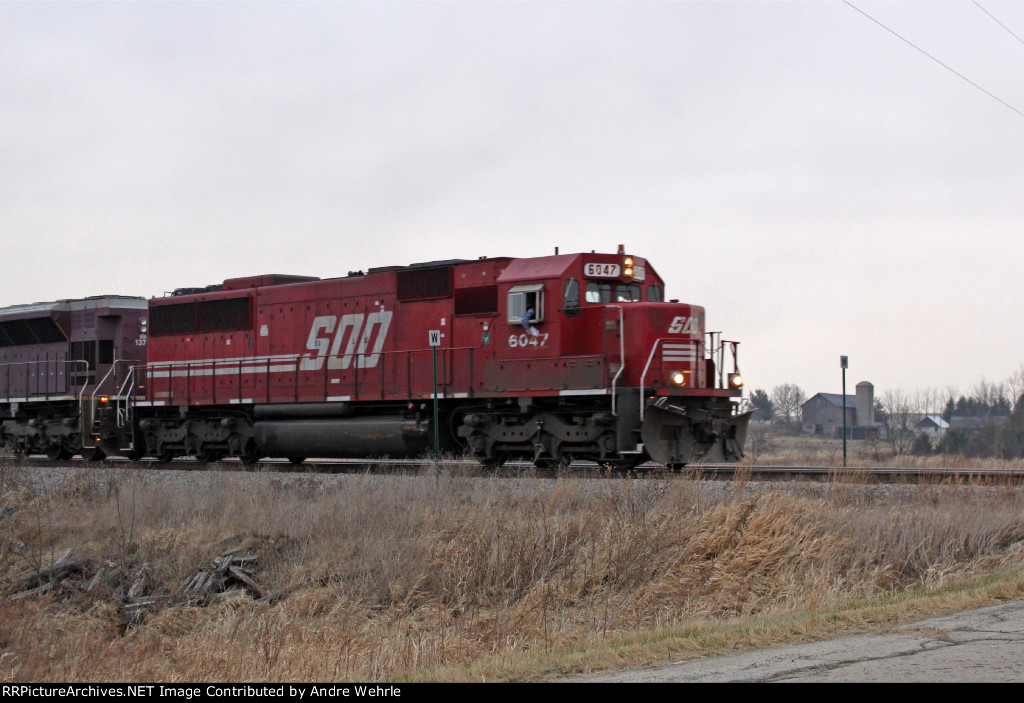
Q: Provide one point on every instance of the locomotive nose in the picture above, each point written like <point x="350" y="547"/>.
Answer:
<point x="676" y="435"/>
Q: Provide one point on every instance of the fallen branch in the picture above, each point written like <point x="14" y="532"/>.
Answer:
<point x="30" y="580"/>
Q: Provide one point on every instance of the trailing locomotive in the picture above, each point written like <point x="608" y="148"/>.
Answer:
<point x="552" y="358"/>
<point x="60" y="363"/>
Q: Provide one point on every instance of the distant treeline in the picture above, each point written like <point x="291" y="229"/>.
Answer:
<point x="995" y="409"/>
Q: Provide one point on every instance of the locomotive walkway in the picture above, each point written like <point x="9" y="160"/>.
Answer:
<point x="984" y="645"/>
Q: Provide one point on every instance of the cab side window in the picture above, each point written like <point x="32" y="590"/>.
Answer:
<point x="571" y="298"/>
<point x="106" y="351"/>
<point x="655" y="294"/>
<point x="522" y="299"/>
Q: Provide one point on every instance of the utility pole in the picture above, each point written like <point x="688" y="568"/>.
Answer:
<point x="434" y="338"/>
<point x="844" y="363"/>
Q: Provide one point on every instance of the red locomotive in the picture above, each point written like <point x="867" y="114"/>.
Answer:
<point x="548" y="358"/>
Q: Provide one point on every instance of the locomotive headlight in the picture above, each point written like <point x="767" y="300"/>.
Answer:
<point x="679" y="378"/>
<point x="735" y="380"/>
<point x="628" y="273"/>
<point x="628" y="262"/>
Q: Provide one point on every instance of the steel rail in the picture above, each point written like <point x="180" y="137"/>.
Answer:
<point x="857" y="474"/>
<point x="865" y="474"/>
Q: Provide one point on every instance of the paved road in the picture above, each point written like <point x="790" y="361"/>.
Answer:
<point x="980" y="645"/>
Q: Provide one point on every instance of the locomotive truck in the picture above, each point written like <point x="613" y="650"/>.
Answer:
<point x="553" y="358"/>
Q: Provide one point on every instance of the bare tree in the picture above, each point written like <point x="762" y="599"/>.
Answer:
<point x="984" y="392"/>
<point x="929" y="401"/>
<point x="900" y="413"/>
<point x="759" y="441"/>
<point x="787" y="400"/>
<point x="1015" y="385"/>
<point x="992" y="396"/>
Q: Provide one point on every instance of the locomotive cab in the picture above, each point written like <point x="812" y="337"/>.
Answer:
<point x="588" y="338"/>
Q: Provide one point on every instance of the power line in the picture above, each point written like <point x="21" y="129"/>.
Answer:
<point x="951" y="70"/>
<point x="997" y="21"/>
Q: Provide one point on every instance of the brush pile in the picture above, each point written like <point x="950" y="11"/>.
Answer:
<point x="229" y="576"/>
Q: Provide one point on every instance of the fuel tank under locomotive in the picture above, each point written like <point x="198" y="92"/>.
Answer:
<point x="344" y="437"/>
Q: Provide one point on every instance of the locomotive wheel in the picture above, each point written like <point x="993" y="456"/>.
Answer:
<point x="628" y="464"/>
<point x="209" y="455"/>
<point x="93" y="454"/>
<point x="562" y="463"/>
<point x="57" y="452"/>
<point x="250" y="455"/>
<point x="494" y="462"/>
<point x="134" y="455"/>
<point x="297" y="459"/>
<point x="165" y="456"/>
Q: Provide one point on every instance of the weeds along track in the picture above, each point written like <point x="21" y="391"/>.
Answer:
<point x="987" y="475"/>
<point x="115" y="574"/>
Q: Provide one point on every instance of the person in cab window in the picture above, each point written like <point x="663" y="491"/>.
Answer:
<point x="525" y="322"/>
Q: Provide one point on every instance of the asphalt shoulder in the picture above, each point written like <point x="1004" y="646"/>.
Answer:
<point x="985" y="645"/>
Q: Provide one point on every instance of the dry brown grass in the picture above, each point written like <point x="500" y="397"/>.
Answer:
<point x="812" y="450"/>
<point x="453" y="577"/>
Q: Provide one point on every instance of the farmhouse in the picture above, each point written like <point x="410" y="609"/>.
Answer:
<point x="933" y="426"/>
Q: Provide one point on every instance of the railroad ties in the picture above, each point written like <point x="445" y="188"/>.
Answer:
<point x="230" y="575"/>
<point x="228" y="572"/>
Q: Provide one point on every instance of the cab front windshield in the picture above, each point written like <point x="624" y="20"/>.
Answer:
<point x="613" y="292"/>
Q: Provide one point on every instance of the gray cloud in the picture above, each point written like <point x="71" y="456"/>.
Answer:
<point x="819" y="186"/>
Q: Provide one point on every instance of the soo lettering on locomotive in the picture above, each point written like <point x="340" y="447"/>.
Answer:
<point x="574" y="356"/>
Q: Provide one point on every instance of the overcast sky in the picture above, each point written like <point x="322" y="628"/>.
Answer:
<point x="820" y="186"/>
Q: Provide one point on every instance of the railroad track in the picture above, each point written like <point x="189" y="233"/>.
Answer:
<point x="861" y="474"/>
